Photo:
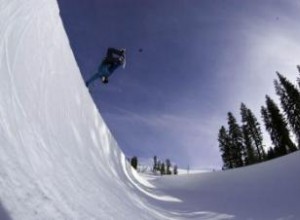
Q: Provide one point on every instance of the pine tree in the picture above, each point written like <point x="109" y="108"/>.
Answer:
<point x="162" y="169"/>
<point x="277" y="127"/>
<point x="168" y="166"/>
<point x="253" y="139"/>
<point x="271" y="154"/>
<point x="134" y="162"/>
<point x="155" y="164"/>
<point x="236" y="140"/>
<point x="250" y="157"/>
<point x="175" y="171"/>
<point x="158" y="165"/>
<point x="224" y="145"/>
<point x="298" y="67"/>
<point x="290" y="101"/>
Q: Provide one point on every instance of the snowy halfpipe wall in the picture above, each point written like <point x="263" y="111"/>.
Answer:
<point x="58" y="159"/>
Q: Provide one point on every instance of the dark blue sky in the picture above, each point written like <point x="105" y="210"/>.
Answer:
<point x="200" y="59"/>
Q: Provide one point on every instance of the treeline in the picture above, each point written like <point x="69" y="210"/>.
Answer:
<point x="242" y="144"/>
<point x="164" y="168"/>
<point x="159" y="167"/>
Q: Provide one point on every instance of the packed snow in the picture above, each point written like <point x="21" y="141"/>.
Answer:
<point x="58" y="159"/>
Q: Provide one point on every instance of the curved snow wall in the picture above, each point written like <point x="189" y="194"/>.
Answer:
<point x="58" y="159"/>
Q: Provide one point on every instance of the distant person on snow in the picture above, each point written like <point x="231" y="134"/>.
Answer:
<point x="114" y="58"/>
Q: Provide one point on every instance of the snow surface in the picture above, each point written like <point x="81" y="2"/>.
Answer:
<point x="58" y="159"/>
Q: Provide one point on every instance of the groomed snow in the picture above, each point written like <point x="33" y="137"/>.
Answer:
<point x="58" y="160"/>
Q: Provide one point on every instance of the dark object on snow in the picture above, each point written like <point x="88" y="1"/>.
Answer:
<point x="134" y="162"/>
<point x="175" y="171"/>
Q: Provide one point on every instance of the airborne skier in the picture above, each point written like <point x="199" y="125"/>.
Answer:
<point x="114" y="58"/>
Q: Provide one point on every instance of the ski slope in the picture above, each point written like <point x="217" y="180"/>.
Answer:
<point x="58" y="159"/>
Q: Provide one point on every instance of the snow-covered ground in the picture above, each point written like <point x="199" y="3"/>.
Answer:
<point x="58" y="160"/>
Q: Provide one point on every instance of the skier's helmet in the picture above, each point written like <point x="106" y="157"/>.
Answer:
<point x="104" y="80"/>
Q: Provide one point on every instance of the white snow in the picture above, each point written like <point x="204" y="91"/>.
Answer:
<point x="58" y="160"/>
